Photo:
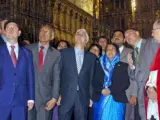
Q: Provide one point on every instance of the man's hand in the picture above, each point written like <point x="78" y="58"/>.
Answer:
<point x="105" y="92"/>
<point x="90" y="103"/>
<point x="130" y="61"/>
<point x="30" y="106"/>
<point x="59" y="100"/>
<point x="50" y="104"/>
<point x="152" y="93"/>
<point x="133" y="100"/>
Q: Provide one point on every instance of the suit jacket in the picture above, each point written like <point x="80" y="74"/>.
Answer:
<point x="70" y="77"/>
<point x="1" y="40"/>
<point x="141" y="73"/>
<point x="132" y="90"/>
<point x="120" y="82"/>
<point x="98" y="81"/>
<point x="17" y="84"/>
<point x="47" y="82"/>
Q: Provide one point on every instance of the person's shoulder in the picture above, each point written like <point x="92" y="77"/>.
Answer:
<point x="129" y="50"/>
<point x="66" y="50"/>
<point x="30" y="46"/>
<point x="55" y="51"/>
<point x="91" y="55"/>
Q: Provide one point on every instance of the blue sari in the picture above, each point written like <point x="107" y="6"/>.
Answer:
<point x="106" y="108"/>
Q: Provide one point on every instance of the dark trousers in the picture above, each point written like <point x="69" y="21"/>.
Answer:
<point x="80" y="111"/>
<point x="136" y="112"/>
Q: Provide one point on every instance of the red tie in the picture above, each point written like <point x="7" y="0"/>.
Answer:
<point x="40" y="58"/>
<point x="13" y="56"/>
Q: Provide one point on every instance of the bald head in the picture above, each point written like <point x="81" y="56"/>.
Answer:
<point x="156" y="31"/>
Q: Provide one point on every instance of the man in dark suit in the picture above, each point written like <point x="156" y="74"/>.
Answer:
<point x="76" y="79"/>
<point x="16" y="76"/>
<point x="2" y="33"/>
<point x="47" y="65"/>
<point x="118" y="38"/>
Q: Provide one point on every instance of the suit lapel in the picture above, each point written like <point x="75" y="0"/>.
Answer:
<point x="20" y="56"/>
<point x="123" y="53"/>
<point x="74" y="64"/>
<point x="8" y="56"/>
<point x="35" y="54"/>
<point x="47" y="58"/>
<point x="142" y="49"/>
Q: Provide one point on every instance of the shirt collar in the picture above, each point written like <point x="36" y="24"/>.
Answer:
<point x="139" y="44"/>
<point x="45" y="47"/>
<point x="9" y="45"/>
<point x="77" y="50"/>
<point x="121" y="48"/>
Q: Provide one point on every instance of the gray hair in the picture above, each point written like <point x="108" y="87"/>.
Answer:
<point x="85" y="32"/>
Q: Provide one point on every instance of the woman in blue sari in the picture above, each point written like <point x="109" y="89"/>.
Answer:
<point x="111" y="105"/>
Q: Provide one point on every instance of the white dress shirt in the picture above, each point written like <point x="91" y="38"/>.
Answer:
<point x="152" y="105"/>
<point x="16" y="49"/>
<point x="121" y="48"/>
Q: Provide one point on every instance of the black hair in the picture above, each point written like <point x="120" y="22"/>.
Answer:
<point x="118" y="31"/>
<point x="98" y="46"/>
<point x="116" y="47"/>
<point x="67" y="43"/>
<point x="101" y="37"/>
<point x="11" y="21"/>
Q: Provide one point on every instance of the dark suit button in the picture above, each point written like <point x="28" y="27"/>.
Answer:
<point x="141" y="81"/>
<point x="14" y="74"/>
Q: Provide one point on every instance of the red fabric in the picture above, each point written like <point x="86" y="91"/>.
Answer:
<point x="155" y="66"/>
<point x="13" y="56"/>
<point x="40" y="58"/>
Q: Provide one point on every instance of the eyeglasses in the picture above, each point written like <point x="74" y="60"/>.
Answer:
<point x="155" y="29"/>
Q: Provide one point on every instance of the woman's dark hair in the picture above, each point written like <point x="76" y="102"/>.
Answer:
<point x="116" y="47"/>
<point x="98" y="46"/>
<point x="67" y="43"/>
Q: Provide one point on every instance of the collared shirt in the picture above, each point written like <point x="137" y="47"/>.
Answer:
<point x="4" y="38"/>
<point x="44" y="50"/>
<point x="121" y="48"/>
<point x="139" y="44"/>
<point x="15" y="49"/>
<point x="76" y="53"/>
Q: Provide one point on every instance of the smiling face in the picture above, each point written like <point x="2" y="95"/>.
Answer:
<point x="132" y="37"/>
<point x="110" y="51"/>
<point x="95" y="50"/>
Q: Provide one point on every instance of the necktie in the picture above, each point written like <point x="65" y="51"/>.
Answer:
<point x="40" y="58"/>
<point x="79" y="61"/>
<point x="13" y="56"/>
<point x="136" y="54"/>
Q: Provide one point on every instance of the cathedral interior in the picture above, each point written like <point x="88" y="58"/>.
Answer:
<point x="98" y="17"/>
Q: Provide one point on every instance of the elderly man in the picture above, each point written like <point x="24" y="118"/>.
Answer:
<point x="76" y="79"/>
<point x="152" y="88"/>
<point x="144" y="51"/>
<point x="47" y="66"/>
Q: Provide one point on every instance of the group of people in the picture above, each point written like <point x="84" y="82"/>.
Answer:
<point x="109" y="81"/>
